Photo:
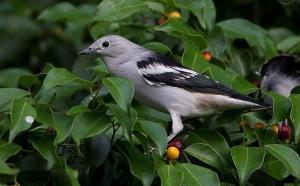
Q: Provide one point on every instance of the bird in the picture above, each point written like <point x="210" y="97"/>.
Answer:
<point x="165" y="85"/>
<point x="281" y="74"/>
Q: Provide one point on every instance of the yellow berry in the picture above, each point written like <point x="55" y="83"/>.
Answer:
<point x="275" y="128"/>
<point x="172" y="153"/>
<point x="174" y="14"/>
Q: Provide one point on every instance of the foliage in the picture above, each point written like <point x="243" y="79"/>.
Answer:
<point x="73" y="124"/>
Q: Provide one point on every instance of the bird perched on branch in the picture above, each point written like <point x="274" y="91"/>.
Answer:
<point x="165" y="85"/>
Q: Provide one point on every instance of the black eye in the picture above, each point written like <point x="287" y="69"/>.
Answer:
<point x="105" y="44"/>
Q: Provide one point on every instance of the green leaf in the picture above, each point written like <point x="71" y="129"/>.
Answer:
<point x="65" y="11"/>
<point x="197" y="176"/>
<point x="22" y="117"/>
<point x="96" y="156"/>
<point x="193" y="41"/>
<point x="157" y="133"/>
<point x="242" y="85"/>
<point x="126" y="119"/>
<point x="155" y="6"/>
<point x="8" y="94"/>
<point x="157" y="47"/>
<point x="265" y="137"/>
<point x="204" y="10"/>
<point x="208" y="154"/>
<point x="89" y="124"/>
<point x="72" y="174"/>
<point x="59" y="121"/>
<point x="247" y="160"/>
<point x="114" y="10"/>
<point x="216" y="42"/>
<point x="14" y="75"/>
<point x="281" y="106"/>
<point x="7" y="150"/>
<point x="140" y="166"/>
<point x="288" y="157"/>
<point x="215" y="142"/>
<point x="122" y="90"/>
<point x="46" y="149"/>
<point x="290" y="45"/>
<point x="170" y="176"/>
<point x="274" y="168"/>
<point x="78" y="109"/>
<point x="60" y="77"/>
<point x="237" y="28"/>
<point x="294" y="115"/>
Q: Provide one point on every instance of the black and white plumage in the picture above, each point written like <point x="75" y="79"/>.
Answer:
<point x="281" y="74"/>
<point x="166" y="85"/>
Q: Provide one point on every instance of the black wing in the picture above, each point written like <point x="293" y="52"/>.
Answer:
<point x="159" y="71"/>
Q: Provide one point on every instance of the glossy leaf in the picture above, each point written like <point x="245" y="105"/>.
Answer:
<point x="7" y="150"/>
<point x="126" y="119"/>
<point x="60" y="76"/>
<point x="170" y="176"/>
<point x="215" y="141"/>
<point x="22" y="117"/>
<point x="207" y="154"/>
<point x="140" y="166"/>
<point x="294" y="115"/>
<point x="46" y="149"/>
<point x="157" y="133"/>
<point x="89" y="124"/>
<point x="288" y="157"/>
<point x="256" y="36"/>
<point x="121" y="89"/>
<point x="14" y="74"/>
<point x="65" y="11"/>
<point x="289" y="44"/>
<point x="59" y="121"/>
<point x="204" y="10"/>
<point x="114" y="10"/>
<point x="281" y="106"/>
<point x="157" y="47"/>
<point x="198" y="176"/>
<point x="274" y="168"/>
<point x="247" y="160"/>
<point x="8" y="94"/>
<point x="78" y="109"/>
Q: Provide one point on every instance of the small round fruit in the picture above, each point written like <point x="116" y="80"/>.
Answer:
<point x="259" y="126"/>
<point x="174" y="14"/>
<point x="161" y="21"/>
<point x="275" y="129"/>
<point x="207" y="55"/>
<point x="284" y="131"/>
<point x="172" y="153"/>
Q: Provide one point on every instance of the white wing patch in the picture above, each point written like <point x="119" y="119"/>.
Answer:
<point x="157" y="68"/>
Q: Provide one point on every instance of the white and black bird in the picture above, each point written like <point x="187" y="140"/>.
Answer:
<point x="165" y="85"/>
<point x="281" y="74"/>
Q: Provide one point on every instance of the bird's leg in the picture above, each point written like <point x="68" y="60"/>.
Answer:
<point x="177" y="125"/>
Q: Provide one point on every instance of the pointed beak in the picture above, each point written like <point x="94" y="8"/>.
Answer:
<point x="87" y="51"/>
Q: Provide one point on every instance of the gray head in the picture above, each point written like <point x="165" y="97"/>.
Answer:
<point x="111" y="46"/>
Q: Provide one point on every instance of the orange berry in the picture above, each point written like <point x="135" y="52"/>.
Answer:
<point x="275" y="128"/>
<point x="172" y="153"/>
<point x="174" y="14"/>
<point x="161" y="21"/>
<point x="259" y="125"/>
<point x="207" y="55"/>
